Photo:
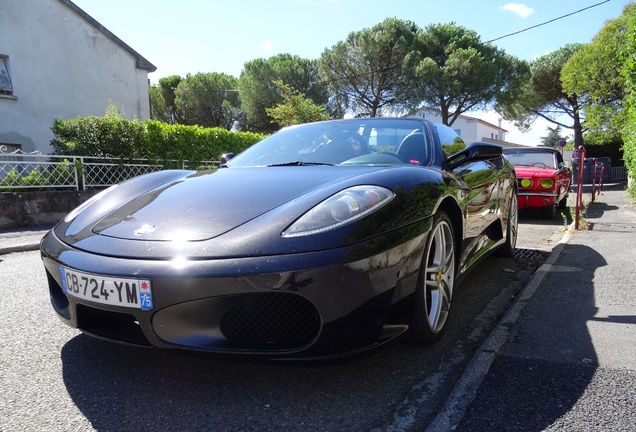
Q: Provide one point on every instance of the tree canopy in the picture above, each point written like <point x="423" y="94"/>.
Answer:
<point x="162" y="100"/>
<point x="258" y="90"/>
<point x="295" y="108"/>
<point x="454" y="72"/>
<point x="209" y="100"/>
<point x="365" y="71"/>
<point x="595" y="73"/>
<point x="387" y="69"/>
<point x="543" y="95"/>
<point x="553" y="137"/>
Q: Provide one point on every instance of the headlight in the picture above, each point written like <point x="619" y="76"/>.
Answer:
<point x="547" y="183"/>
<point x="340" y="209"/>
<point x="525" y="182"/>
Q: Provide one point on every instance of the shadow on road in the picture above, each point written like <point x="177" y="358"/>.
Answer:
<point x="130" y="389"/>
<point x="534" y="216"/>
<point x="549" y="360"/>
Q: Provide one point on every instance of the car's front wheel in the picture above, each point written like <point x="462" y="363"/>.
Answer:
<point x="435" y="283"/>
<point x="508" y="248"/>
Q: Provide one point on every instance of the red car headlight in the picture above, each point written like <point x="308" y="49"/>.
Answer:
<point x="547" y="183"/>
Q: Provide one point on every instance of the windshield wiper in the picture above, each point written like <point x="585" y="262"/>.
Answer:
<point x="298" y="163"/>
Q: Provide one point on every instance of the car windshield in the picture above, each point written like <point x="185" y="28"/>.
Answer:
<point x="341" y="142"/>
<point x="534" y="158"/>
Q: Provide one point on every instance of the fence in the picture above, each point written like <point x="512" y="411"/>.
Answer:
<point x="619" y="173"/>
<point x="20" y="170"/>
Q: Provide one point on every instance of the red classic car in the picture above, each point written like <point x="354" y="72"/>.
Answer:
<point x="542" y="177"/>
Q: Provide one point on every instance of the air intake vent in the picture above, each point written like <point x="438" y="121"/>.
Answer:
<point x="278" y="320"/>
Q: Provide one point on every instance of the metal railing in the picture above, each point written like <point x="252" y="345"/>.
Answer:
<point x="19" y="170"/>
<point x="619" y="173"/>
<point x="598" y="171"/>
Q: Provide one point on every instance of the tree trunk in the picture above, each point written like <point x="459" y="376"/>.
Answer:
<point x="576" y="126"/>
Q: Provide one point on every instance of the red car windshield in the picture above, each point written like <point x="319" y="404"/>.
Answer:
<point x="537" y="159"/>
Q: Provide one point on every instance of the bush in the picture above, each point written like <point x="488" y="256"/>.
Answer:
<point x="169" y="144"/>
<point x="99" y="136"/>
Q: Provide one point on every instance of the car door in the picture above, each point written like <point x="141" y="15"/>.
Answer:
<point x="481" y="183"/>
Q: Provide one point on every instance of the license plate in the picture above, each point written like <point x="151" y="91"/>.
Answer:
<point x="132" y="293"/>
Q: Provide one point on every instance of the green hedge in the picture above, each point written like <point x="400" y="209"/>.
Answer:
<point x="132" y="139"/>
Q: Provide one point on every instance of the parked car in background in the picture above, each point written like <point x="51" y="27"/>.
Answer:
<point x="542" y="177"/>
<point x="322" y="240"/>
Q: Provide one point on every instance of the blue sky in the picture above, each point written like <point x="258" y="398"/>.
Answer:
<point x="193" y="36"/>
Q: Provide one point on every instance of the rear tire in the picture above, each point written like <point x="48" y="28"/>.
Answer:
<point x="435" y="283"/>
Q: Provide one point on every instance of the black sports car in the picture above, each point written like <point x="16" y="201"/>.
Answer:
<point x="322" y="240"/>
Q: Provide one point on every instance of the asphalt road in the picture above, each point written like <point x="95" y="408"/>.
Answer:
<point x="56" y="379"/>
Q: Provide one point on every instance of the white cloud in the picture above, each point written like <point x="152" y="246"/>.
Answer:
<point x="518" y="9"/>
<point x="268" y="45"/>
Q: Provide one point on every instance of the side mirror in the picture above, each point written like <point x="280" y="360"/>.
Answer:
<point x="474" y="152"/>
<point x="225" y="158"/>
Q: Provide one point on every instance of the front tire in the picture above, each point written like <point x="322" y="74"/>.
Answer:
<point x="435" y="283"/>
<point x="508" y="247"/>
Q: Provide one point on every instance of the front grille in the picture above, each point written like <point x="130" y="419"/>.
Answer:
<point x="278" y="320"/>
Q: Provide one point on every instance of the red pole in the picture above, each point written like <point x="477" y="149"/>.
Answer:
<point x="594" y="180"/>
<point x="579" y="186"/>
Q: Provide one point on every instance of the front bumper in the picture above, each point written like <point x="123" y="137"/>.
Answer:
<point x="307" y="305"/>
<point x="529" y="199"/>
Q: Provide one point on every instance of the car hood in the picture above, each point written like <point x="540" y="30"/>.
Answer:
<point x="206" y="205"/>
<point x="530" y="172"/>
<point x="236" y="212"/>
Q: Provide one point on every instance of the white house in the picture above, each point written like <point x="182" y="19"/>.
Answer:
<point x="470" y="129"/>
<point x="57" y="62"/>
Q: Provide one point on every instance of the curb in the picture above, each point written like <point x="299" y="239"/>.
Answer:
<point x="20" y="248"/>
<point x="465" y="389"/>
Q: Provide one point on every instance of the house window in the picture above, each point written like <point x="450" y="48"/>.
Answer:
<point x="5" y="79"/>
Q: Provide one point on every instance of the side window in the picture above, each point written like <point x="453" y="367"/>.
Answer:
<point x="5" y="79"/>
<point x="449" y="139"/>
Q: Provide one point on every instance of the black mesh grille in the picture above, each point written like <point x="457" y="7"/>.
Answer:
<point x="278" y="320"/>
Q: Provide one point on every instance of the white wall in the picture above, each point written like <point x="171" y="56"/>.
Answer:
<point x="471" y="129"/>
<point x="61" y="68"/>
